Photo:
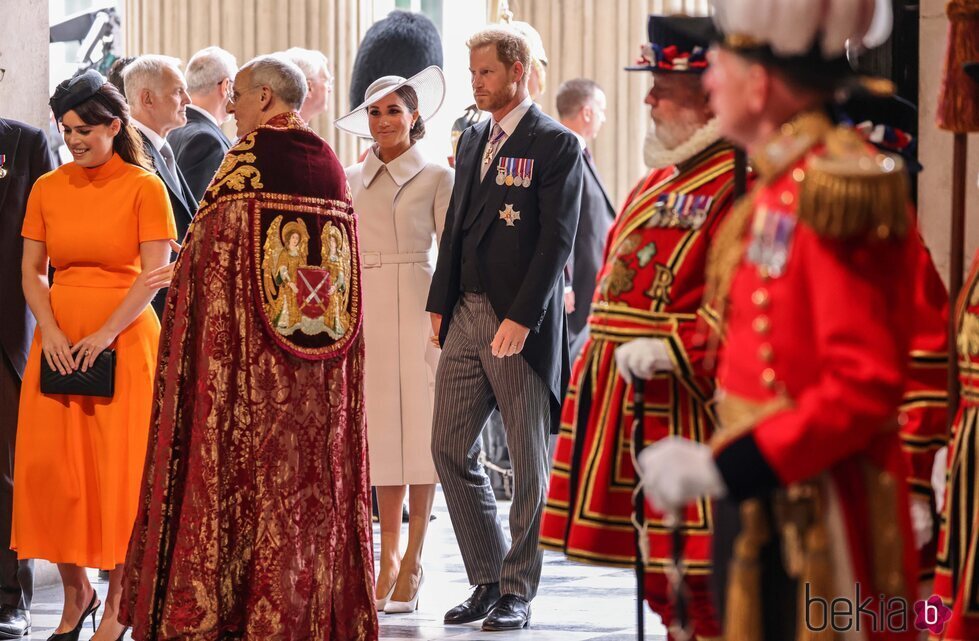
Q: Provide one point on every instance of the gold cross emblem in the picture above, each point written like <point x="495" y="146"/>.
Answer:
<point x="509" y="215"/>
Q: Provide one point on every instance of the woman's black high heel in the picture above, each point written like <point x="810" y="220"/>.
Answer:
<point x="123" y="635"/>
<point x="72" y="635"/>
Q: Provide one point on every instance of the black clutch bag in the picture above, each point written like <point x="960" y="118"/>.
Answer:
<point x="98" y="380"/>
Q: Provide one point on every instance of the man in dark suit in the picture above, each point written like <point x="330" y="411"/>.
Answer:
<point x="497" y="308"/>
<point x="200" y="145"/>
<point x="581" y="108"/>
<point x="157" y="97"/>
<point x="24" y="157"/>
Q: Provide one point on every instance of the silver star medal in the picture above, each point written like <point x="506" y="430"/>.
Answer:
<point x="509" y="215"/>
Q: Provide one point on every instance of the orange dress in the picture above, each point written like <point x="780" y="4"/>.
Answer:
<point x="79" y="459"/>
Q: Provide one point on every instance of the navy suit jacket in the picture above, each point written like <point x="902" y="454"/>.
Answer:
<point x="181" y="201"/>
<point x="521" y="267"/>
<point x="181" y="198"/>
<point x="27" y="159"/>
<point x="199" y="147"/>
<point x="597" y="214"/>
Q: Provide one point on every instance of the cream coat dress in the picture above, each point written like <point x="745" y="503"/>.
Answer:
<point x="401" y="213"/>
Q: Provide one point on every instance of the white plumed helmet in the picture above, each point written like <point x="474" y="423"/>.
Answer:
<point x="794" y="28"/>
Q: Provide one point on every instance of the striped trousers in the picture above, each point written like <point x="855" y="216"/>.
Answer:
<point x="469" y="383"/>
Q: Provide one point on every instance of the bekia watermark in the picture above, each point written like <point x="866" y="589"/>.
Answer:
<point x="883" y="614"/>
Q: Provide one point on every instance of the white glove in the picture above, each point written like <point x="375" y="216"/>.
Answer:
<point x="675" y="471"/>
<point x="643" y="357"/>
<point x="921" y="521"/>
<point x="939" y="473"/>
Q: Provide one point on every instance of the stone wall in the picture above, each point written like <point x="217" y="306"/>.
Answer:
<point x="24" y="54"/>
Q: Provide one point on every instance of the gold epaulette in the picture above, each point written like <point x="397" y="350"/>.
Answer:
<point x="851" y="190"/>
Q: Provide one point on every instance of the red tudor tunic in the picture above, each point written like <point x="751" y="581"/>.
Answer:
<point x="957" y="578"/>
<point x="650" y="286"/>
<point x="819" y="327"/>
<point x="924" y="407"/>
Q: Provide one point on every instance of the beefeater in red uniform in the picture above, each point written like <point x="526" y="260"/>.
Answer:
<point x="957" y="577"/>
<point x="886" y="122"/>
<point x="810" y="274"/>
<point x="647" y="298"/>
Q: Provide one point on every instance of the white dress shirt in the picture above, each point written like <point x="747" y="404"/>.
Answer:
<point x="508" y="124"/>
<point x="161" y="145"/>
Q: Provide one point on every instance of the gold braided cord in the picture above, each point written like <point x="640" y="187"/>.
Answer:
<point x="841" y="206"/>
<point x="727" y="250"/>
<point x="743" y="597"/>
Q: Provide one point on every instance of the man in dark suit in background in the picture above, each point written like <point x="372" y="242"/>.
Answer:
<point x="24" y="157"/>
<point x="581" y="108"/>
<point x="497" y="307"/>
<point x="157" y="97"/>
<point x="200" y="145"/>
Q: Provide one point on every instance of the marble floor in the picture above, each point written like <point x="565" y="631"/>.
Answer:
<point x="574" y="602"/>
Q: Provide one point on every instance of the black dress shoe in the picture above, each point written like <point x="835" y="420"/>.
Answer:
<point x="476" y="606"/>
<point x="510" y="613"/>
<point x="14" y="622"/>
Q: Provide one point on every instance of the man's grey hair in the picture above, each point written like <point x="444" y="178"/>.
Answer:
<point x="146" y="72"/>
<point x="208" y="68"/>
<point x="574" y="94"/>
<point x="309" y="61"/>
<point x="283" y="77"/>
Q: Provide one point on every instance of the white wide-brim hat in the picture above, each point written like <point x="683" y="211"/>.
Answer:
<point x="429" y="85"/>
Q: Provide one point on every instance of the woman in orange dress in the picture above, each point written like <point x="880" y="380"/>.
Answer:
<point x="103" y="222"/>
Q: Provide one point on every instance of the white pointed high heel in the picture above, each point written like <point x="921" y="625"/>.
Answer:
<point x="382" y="604"/>
<point x="401" y="607"/>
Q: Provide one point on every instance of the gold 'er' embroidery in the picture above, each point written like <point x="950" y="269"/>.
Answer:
<point x="967" y="340"/>
<point x="659" y="291"/>
<point x="311" y="299"/>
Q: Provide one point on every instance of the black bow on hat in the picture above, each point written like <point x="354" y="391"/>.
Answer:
<point x="73" y="92"/>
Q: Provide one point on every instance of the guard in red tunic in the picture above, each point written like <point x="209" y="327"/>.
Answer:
<point x="957" y="577"/>
<point x="887" y="123"/>
<point x="810" y="274"/>
<point x="644" y="315"/>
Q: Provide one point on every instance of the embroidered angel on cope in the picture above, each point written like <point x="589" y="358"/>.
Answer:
<point x="300" y="296"/>
<point x="285" y="253"/>
<point x="336" y="261"/>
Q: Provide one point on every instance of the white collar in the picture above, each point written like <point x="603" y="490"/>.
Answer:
<point x="581" y="139"/>
<point x="207" y="113"/>
<point x="657" y="157"/>
<point x="155" y="139"/>
<point x="401" y="169"/>
<point x="510" y="121"/>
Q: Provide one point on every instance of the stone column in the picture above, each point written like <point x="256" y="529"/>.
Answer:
<point x="24" y="54"/>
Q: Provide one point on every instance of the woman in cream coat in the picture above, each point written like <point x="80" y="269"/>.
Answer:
<point x="400" y="199"/>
